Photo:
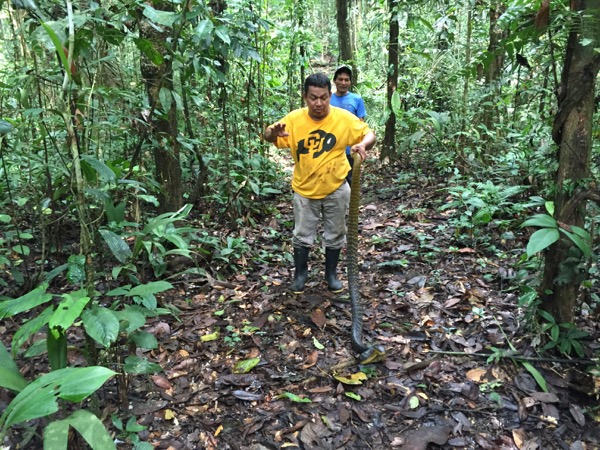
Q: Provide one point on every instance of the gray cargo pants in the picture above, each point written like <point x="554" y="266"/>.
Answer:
<point x="307" y="213"/>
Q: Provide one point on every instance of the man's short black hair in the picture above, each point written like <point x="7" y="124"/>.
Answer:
<point x="343" y="69"/>
<point x="317" y="80"/>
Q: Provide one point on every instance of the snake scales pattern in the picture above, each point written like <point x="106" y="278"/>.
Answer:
<point x="367" y="353"/>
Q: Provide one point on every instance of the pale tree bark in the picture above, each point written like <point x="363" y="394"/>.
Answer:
<point x="166" y="148"/>
<point x="573" y="134"/>
<point x="388" y="149"/>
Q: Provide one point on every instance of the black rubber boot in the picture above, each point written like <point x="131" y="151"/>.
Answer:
<point x="332" y="256"/>
<point x="301" y="272"/>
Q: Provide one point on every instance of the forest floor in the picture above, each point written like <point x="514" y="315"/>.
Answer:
<point x="440" y="308"/>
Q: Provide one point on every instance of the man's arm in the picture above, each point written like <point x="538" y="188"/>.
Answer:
<point x="367" y="143"/>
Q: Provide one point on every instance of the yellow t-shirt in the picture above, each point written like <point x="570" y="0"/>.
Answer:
<point x="319" y="149"/>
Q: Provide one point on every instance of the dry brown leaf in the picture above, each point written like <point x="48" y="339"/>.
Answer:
<point x="320" y="389"/>
<point x="577" y="414"/>
<point x="519" y="437"/>
<point x="452" y="301"/>
<point x="185" y="364"/>
<point x="545" y="397"/>
<point x="311" y="360"/>
<point x="318" y="318"/>
<point x="161" y="382"/>
<point x="420" y="439"/>
<point x="476" y="374"/>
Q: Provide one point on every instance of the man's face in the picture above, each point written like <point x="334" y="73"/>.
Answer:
<point x="317" y="100"/>
<point x="342" y="83"/>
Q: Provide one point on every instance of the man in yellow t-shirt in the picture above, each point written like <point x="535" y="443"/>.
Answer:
<point x="317" y="136"/>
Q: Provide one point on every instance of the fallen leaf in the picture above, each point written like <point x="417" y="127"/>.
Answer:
<point x="452" y="301"/>
<point x="577" y="414"/>
<point x="545" y="397"/>
<point x="293" y="397"/>
<point x="161" y="382"/>
<point x="245" y="365"/>
<point x="311" y="360"/>
<point x="353" y="396"/>
<point x="355" y="378"/>
<point x="317" y="344"/>
<point x="318" y="318"/>
<point x="476" y="374"/>
<point x="169" y="414"/>
<point x="320" y="389"/>
<point x="210" y="337"/>
<point x="247" y="396"/>
<point x="519" y="437"/>
<point x="420" y="439"/>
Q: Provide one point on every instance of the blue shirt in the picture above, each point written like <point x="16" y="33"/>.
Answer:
<point x="350" y="102"/>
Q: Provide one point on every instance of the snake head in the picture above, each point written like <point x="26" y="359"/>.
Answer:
<point x="374" y="354"/>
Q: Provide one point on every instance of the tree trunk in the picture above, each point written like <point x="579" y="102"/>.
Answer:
<point x="388" y="149"/>
<point x="572" y="132"/>
<point x="494" y="68"/>
<point x="164" y="122"/>
<point x="344" y="32"/>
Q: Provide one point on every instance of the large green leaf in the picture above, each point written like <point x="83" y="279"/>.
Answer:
<point x="204" y="30"/>
<point x="26" y="302"/>
<point x="80" y="382"/>
<point x="165" y="18"/>
<point x="117" y="245"/>
<point x="5" y="127"/>
<point x="87" y="424"/>
<point x="150" y="288"/>
<point x="29" y="328"/>
<point x="39" y="399"/>
<point x="10" y="376"/>
<point x="540" y="220"/>
<point x="68" y="310"/>
<point x="137" y="365"/>
<point x="101" y="324"/>
<point x="143" y="339"/>
<point x="396" y="102"/>
<point x="582" y="244"/>
<point x="12" y="380"/>
<point x="541" y="240"/>
<point x="539" y="378"/>
<point x="130" y="319"/>
<point x="58" y="47"/>
<point x="148" y="49"/>
<point x="106" y="173"/>
<point x="166" y="99"/>
<point x="6" y="360"/>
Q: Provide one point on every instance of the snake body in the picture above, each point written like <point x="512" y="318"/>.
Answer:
<point x="367" y="354"/>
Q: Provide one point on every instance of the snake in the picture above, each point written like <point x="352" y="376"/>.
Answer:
<point x="367" y="353"/>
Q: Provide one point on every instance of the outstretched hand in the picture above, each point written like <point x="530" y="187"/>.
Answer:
<point x="275" y="131"/>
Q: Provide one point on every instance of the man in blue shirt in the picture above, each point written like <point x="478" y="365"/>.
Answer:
<point x="343" y="98"/>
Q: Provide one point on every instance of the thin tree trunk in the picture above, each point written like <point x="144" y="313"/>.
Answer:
<point x="164" y="126"/>
<point x="389" y="139"/>
<point x="494" y="68"/>
<point x="344" y="32"/>
<point x="573" y="133"/>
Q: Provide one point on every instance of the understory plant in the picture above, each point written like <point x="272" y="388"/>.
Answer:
<point x="119" y="315"/>
<point x="476" y="204"/>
